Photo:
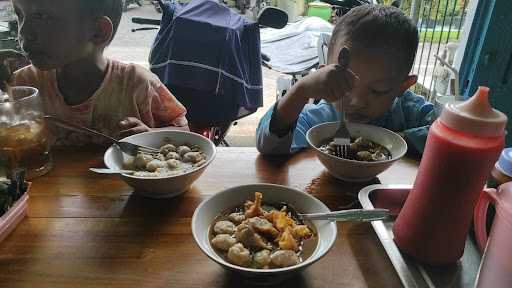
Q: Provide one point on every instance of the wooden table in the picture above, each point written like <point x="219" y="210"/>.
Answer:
<point x="88" y="230"/>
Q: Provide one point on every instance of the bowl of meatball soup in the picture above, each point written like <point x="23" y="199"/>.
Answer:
<point x="254" y="230"/>
<point x="182" y="158"/>
<point x="372" y="150"/>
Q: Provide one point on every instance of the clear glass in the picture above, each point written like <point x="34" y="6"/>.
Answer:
<point x="24" y="141"/>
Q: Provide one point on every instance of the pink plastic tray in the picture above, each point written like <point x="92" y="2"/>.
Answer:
<point x="13" y="217"/>
<point x="413" y="274"/>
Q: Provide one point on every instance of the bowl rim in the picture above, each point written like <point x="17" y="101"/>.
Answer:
<point x="111" y="148"/>
<point x="222" y="262"/>
<point x="364" y="163"/>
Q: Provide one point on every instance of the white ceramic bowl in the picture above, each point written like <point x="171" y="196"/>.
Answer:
<point x="161" y="187"/>
<point x="352" y="170"/>
<point x="303" y="202"/>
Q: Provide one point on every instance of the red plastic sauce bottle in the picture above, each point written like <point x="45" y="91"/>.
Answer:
<point x="461" y="149"/>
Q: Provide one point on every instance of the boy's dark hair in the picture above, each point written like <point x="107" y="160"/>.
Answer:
<point x="112" y="9"/>
<point x="378" y="26"/>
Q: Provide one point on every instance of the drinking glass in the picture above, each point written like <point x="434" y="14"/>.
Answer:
<point x="24" y="141"/>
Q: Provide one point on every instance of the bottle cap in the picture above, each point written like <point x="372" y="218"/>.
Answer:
<point x="475" y="116"/>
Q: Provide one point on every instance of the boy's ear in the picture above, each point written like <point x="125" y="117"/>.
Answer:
<point x="408" y="82"/>
<point x="103" y="31"/>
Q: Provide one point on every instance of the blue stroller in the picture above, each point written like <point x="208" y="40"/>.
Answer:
<point x="209" y="57"/>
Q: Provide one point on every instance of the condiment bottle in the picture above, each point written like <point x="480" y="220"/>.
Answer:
<point x="496" y="266"/>
<point x="462" y="147"/>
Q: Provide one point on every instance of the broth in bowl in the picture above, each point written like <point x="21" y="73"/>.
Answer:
<point x="262" y="236"/>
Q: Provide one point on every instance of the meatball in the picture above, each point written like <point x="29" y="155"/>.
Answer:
<point x="263" y="226"/>
<point x="284" y="258"/>
<point x="167" y="148"/>
<point x="182" y="150"/>
<point x="247" y="236"/>
<point x="379" y="156"/>
<point x="195" y="148"/>
<point x="224" y="227"/>
<point x="192" y="157"/>
<point x="364" y="156"/>
<point x="239" y="255"/>
<point x="141" y="161"/>
<point x="362" y="142"/>
<point x="237" y="217"/>
<point x="172" y="155"/>
<point x="173" y="163"/>
<point x="223" y="242"/>
<point x="154" y="165"/>
<point x="261" y="259"/>
<point x="200" y="163"/>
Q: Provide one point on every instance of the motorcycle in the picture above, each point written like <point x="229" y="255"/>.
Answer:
<point x="217" y="88"/>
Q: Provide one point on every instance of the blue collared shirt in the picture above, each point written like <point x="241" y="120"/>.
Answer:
<point x="410" y="115"/>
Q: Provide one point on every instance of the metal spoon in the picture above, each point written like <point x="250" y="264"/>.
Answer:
<point x="354" y="215"/>
<point x="111" y="171"/>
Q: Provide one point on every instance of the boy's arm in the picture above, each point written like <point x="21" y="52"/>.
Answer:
<point x="283" y="128"/>
<point x="274" y="134"/>
<point x="275" y="131"/>
<point x="159" y="110"/>
<point x="166" y="110"/>
<point x="286" y="111"/>
<point x="269" y="142"/>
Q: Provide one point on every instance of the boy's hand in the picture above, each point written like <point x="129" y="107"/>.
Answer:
<point x="10" y="61"/>
<point x="132" y="125"/>
<point x="330" y="82"/>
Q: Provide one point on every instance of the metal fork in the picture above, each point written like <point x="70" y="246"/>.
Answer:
<point x="127" y="147"/>
<point x="342" y="135"/>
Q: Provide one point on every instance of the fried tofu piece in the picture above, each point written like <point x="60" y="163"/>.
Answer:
<point x="255" y="209"/>
<point x="302" y="232"/>
<point x="283" y="220"/>
<point x="287" y="241"/>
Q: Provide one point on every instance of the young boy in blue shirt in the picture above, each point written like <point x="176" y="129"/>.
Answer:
<point x="382" y="43"/>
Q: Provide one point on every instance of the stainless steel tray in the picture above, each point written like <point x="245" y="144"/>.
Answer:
<point x="413" y="274"/>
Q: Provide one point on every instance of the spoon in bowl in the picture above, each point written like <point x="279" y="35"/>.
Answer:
<point x="354" y="215"/>
<point x="110" y="171"/>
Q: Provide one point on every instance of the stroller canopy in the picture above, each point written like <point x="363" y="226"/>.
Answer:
<point x="207" y="54"/>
